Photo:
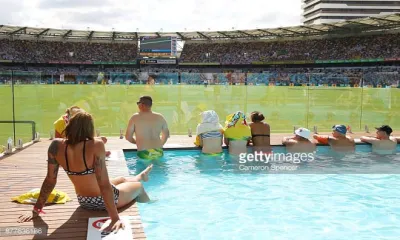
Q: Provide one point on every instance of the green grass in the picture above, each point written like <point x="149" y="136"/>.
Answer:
<point x="284" y="107"/>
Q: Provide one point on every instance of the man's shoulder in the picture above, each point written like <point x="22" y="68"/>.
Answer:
<point x="158" y="115"/>
<point x="135" y="115"/>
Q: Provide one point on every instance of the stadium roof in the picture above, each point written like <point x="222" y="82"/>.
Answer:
<point x="350" y="26"/>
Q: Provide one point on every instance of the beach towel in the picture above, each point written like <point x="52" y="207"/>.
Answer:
<point x="60" y="124"/>
<point x="209" y="123"/>
<point x="236" y="127"/>
<point x="31" y="197"/>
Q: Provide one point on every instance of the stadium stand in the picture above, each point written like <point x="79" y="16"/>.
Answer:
<point x="380" y="46"/>
<point x="344" y="51"/>
<point x="51" y="51"/>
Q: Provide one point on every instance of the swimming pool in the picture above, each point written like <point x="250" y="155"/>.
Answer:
<point x="209" y="198"/>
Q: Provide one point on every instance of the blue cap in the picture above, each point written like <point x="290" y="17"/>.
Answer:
<point x="340" y="129"/>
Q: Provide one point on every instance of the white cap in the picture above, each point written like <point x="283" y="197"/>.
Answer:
<point x="303" y="132"/>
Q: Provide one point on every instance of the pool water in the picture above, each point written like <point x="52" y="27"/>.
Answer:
<point x="200" y="197"/>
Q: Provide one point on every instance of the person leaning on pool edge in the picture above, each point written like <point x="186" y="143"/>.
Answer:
<point x="237" y="133"/>
<point x="382" y="143"/>
<point x="338" y="141"/>
<point x="209" y="133"/>
<point x="147" y="127"/>
<point x="260" y="132"/>
<point x="300" y="142"/>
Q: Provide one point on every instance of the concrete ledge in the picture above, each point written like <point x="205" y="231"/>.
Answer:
<point x="172" y="148"/>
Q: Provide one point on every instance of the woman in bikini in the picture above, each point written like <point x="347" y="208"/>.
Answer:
<point x="82" y="156"/>
<point x="260" y="133"/>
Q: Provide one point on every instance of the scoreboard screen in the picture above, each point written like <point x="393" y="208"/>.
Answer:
<point x="157" y="46"/>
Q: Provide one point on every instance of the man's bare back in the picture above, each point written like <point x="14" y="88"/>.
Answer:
<point x="343" y="144"/>
<point x="147" y="128"/>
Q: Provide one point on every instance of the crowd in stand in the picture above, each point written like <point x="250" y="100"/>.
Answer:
<point x="383" y="76"/>
<point x="344" y="48"/>
<point x="48" y="51"/>
<point x="363" y="47"/>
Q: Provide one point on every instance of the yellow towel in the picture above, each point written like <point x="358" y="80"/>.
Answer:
<point x="60" y="125"/>
<point x="31" y="197"/>
<point x="236" y="127"/>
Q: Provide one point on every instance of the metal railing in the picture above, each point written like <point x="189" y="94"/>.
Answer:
<point x="33" y="123"/>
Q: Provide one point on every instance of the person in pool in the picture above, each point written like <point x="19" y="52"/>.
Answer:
<point x="260" y="133"/>
<point x="237" y="133"/>
<point x="82" y="157"/>
<point x="338" y="141"/>
<point x="209" y="133"/>
<point x="300" y="143"/>
<point x="147" y="127"/>
<point x="383" y="143"/>
<point x="61" y="124"/>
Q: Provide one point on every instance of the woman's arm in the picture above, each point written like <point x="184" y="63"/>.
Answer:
<point x="104" y="182"/>
<point x="48" y="184"/>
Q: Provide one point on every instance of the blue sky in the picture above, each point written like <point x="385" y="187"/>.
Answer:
<point x="151" y="15"/>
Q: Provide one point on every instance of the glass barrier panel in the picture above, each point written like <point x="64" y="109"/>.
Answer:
<point x="199" y="92"/>
<point x="335" y="98"/>
<point x="31" y="102"/>
<point x="381" y="100"/>
<point x="281" y="97"/>
<point x="287" y="99"/>
<point x="6" y="129"/>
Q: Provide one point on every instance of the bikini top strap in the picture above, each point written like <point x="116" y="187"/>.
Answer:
<point x="84" y="157"/>
<point x="66" y="157"/>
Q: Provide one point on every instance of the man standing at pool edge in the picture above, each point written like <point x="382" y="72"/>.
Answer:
<point x="147" y="127"/>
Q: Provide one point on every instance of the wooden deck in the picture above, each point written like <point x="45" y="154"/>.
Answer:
<point x="26" y="169"/>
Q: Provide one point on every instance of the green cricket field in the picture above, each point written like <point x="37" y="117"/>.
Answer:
<point x="283" y="107"/>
